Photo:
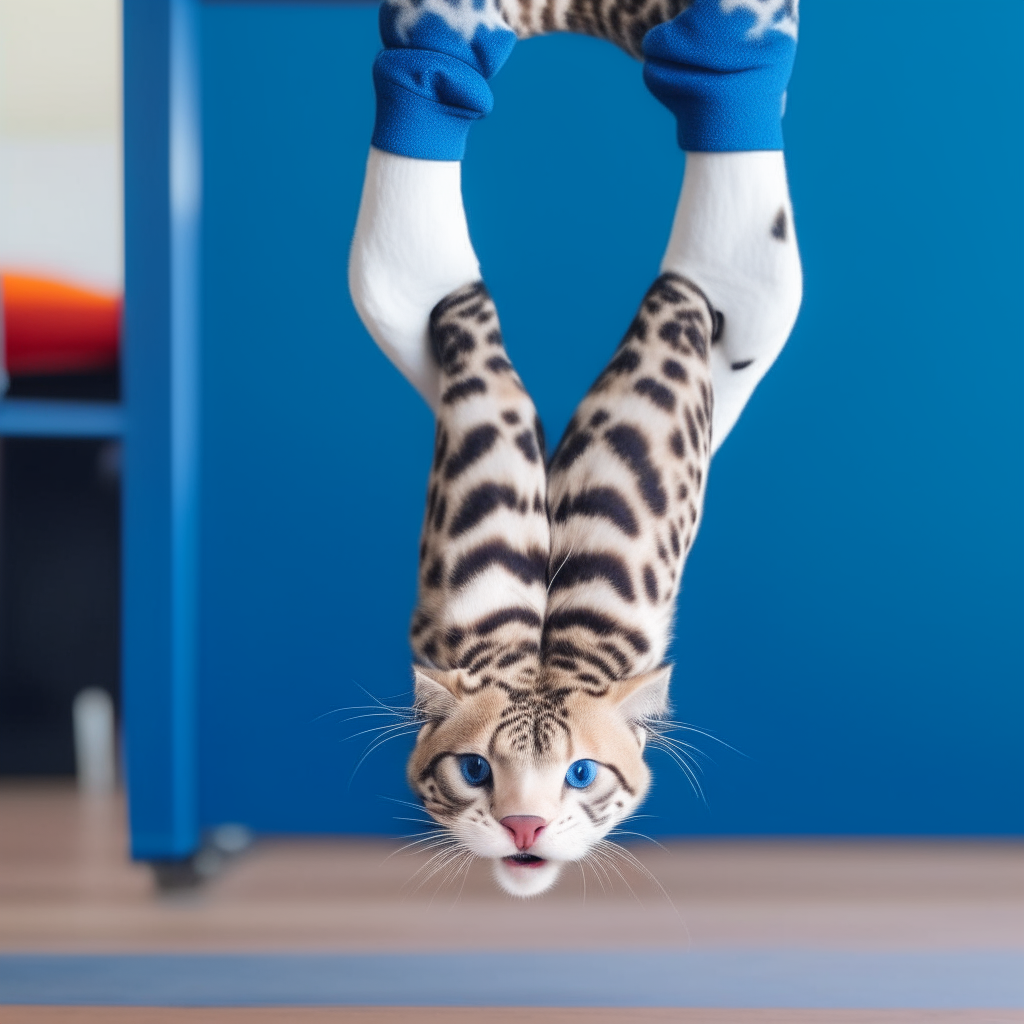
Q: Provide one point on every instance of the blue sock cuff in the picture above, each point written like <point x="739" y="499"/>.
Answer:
<point x="723" y="75"/>
<point x="431" y="78"/>
<point x="426" y="103"/>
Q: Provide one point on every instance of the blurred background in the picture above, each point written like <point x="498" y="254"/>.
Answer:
<point x="211" y="486"/>
<point x="851" y="614"/>
<point x="61" y="261"/>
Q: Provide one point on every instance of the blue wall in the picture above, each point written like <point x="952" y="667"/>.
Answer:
<point x="852" y="613"/>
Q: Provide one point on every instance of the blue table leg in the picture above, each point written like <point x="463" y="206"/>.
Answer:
<point x="161" y="444"/>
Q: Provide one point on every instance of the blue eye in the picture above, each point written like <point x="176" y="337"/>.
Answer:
<point x="581" y="773"/>
<point x="475" y="770"/>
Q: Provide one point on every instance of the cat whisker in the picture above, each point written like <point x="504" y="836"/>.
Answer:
<point x="687" y="750"/>
<point x="379" y="742"/>
<point x="593" y="859"/>
<point x="639" y="835"/>
<point x="455" y="867"/>
<point x="603" y="853"/>
<point x="406" y="803"/>
<point x="615" y="849"/>
<point x="417" y="821"/>
<point x="446" y="851"/>
<point x="685" y="755"/>
<point x="467" y="864"/>
<point x="432" y="840"/>
<point x="666" y="725"/>
<point x="687" y="772"/>
<point x="559" y="569"/>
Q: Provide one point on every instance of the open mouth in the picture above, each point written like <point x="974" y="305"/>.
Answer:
<point x="524" y="860"/>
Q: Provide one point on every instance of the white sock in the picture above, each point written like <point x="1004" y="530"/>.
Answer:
<point x="411" y="248"/>
<point x="733" y="236"/>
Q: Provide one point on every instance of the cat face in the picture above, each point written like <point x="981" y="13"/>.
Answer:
<point x="532" y="778"/>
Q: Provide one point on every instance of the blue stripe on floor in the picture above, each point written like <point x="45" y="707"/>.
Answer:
<point x="707" y="978"/>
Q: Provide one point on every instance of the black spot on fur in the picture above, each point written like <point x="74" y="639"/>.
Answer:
<point x="625" y="362"/>
<point x="571" y="448"/>
<point x="526" y="443"/>
<point x="510" y="416"/>
<point x="450" y="342"/>
<point x="631" y="446"/>
<point x="542" y="444"/>
<point x="675" y="441"/>
<point x="599" y="502"/>
<point x="440" y="446"/>
<point x="496" y="620"/>
<point x="498" y="364"/>
<point x="477" y="443"/>
<point x="480" y="503"/>
<point x="651" y="584"/>
<point x="442" y="511"/>
<point x="695" y="336"/>
<point x="779" y="226"/>
<point x="599" y="417"/>
<point x="674" y="370"/>
<point x="598" y="623"/>
<point x="742" y="364"/>
<point x="637" y="330"/>
<point x="587" y="566"/>
<point x="691" y="430"/>
<point x="670" y="331"/>
<point x="435" y="573"/>
<point x="673" y="536"/>
<point x="530" y="567"/>
<point x="463" y="389"/>
<point x="660" y="395"/>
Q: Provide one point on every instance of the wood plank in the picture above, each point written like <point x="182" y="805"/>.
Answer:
<point x="66" y="884"/>
<point x="488" y="1015"/>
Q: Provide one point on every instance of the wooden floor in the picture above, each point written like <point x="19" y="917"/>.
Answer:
<point x="487" y="1015"/>
<point x="66" y="885"/>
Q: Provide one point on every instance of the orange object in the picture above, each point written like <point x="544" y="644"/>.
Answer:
<point x="52" y="327"/>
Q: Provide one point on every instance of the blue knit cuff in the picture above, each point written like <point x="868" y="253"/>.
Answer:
<point x="724" y="76"/>
<point x="431" y="78"/>
<point x="426" y="103"/>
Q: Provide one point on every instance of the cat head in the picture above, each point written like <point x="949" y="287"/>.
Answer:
<point x="532" y="777"/>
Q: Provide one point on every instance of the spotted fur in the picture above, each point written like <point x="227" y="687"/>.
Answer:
<point x="626" y="488"/>
<point x="549" y="647"/>
<point x="622" y="22"/>
<point x="485" y="541"/>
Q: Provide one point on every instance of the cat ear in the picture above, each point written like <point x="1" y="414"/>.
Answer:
<point x="437" y="690"/>
<point x="643" y="697"/>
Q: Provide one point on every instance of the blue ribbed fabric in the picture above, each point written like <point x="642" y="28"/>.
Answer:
<point x="722" y="67"/>
<point x="431" y="78"/>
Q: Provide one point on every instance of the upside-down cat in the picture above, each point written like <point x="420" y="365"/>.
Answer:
<point x="540" y="658"/>
<point x="546" y="601"/>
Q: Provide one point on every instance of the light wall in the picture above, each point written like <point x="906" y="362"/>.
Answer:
<point x="60" y="139"/>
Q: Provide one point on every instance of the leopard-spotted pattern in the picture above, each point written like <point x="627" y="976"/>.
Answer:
<point x="485" y="541"/>
<point x="622" y="22"/>
<point x="626" y="489"/>
<point x="537" y="650"/>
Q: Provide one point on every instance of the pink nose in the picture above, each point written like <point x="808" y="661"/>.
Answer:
<point x="525" y="829"/>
